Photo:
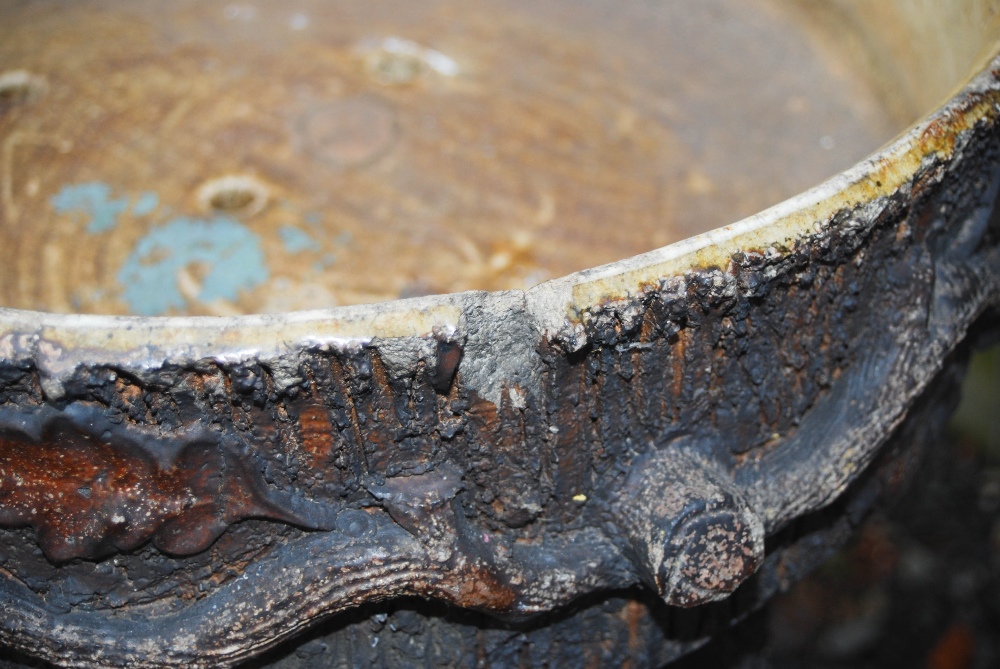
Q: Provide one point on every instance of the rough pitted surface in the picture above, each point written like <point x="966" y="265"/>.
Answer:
<point x="198" y="511"/>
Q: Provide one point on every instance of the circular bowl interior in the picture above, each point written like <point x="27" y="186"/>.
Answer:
<point x="213" y="158"/>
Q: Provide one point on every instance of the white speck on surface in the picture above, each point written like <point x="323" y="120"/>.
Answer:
<point x="435" y="60"/>
<point x="298" y="22"/>
<point x="440" y="63"/>
<point x="517" y="398"/>
<point x="236" y="12"/>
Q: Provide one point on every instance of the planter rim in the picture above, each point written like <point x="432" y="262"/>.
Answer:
<point x="556" y="308"/>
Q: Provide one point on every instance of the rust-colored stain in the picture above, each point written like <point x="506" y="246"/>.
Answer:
<point x="475" y="587"/>
<point x="955" y="649"/>
<point x="634" y="612"/>
<point x="86" y="498"/>
<point x="314" y="422"/>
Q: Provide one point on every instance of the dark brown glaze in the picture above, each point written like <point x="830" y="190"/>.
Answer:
<point x="449" y="355"/>
<point x="88" y="498"/>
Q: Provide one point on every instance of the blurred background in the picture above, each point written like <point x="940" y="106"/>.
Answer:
<point x="919" y="586"/>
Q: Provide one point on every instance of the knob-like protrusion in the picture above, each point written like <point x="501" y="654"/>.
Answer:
<point x="693" y="538"/>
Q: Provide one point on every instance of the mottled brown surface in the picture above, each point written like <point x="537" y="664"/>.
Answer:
<point x="577" y="462"/>
<point x="569" y="135"/>
<point x="87" y="498"/>
<point x="773" y="381"/>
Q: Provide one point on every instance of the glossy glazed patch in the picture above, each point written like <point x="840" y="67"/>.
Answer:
<point x="87" y="498"/>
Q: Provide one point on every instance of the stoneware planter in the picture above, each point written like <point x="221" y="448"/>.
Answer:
<point x="599" y="469"/>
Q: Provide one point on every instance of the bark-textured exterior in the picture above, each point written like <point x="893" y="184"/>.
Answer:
<point x="191" y="492"/>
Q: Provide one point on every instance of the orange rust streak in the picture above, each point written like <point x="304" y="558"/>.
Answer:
<point x="470" y="587"/>
<point x="954" y="650"/>
<point x="678" y="363"/>
<point x="634" y="613"/>
<point x="317" y="435"/>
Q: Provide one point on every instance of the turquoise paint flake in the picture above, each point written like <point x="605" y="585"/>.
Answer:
<point x="146" y="204"/>
<point x="231" y="253"/>
<point x="93" y="199"/>
<point x="327" y="260"/>
<point x="296" y="240"/>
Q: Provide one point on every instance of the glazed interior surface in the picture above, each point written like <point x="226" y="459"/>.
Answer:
<point x="215" y="158"/>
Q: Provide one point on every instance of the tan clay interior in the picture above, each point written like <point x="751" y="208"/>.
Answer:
<point x="219" y="158"/>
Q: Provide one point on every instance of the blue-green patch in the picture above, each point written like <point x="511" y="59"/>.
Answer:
<point x="230" y="254"/>
<point x="296" y="240"/>
<point x="91" y="199"/>
<point x="325" y="261"/>
<point x="146" y="204"/>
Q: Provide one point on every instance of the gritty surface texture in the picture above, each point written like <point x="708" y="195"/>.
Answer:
<point x="765" y="387"/>
<point x="194" y="492"/>
<point x="623" y="628"/>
